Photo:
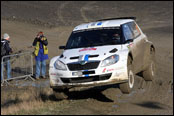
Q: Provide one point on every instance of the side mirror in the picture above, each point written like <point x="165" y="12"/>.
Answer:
<point x="61" y="47"/>
<point x="129" y="40"/>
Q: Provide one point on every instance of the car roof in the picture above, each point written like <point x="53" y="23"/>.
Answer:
<point x="100" y="24"/>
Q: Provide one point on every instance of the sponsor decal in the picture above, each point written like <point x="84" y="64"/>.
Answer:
<point x="100" y="23"/>
<point x="86" y="57"/>
<point x="87" y="49"/>
<point x="110" y="70"/>
<point x="130" y="45"/>
<point x="104" y="70"/>
<point x="107" y="70"/>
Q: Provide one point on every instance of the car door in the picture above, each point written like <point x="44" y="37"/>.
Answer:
<point x="135" y="44"/>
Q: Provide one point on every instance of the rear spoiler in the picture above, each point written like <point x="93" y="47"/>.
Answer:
<point x="134" y="18"/>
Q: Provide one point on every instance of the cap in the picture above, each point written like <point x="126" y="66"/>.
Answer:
<point x="6" y="36"/>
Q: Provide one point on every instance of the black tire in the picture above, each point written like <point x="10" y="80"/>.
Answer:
<point x="60" y="94"/>
<point x="150" y="73"/>
<point x="128" y="86"/>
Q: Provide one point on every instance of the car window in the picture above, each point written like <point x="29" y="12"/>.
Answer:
<point x="127" y="32"/>
<point x="134" y="28"/>
<point x="95" y="37"/>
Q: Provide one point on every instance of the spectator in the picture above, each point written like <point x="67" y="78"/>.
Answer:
<point x="41" y="54"/>
<point x="5" y="50"/>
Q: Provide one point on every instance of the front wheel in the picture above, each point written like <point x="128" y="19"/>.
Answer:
<point x="150" y="73"/>
<point x="128" y="86"/>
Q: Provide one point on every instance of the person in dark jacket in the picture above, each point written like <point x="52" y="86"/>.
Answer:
<point x="41" y="54"/>
<point x="6" y="61"/>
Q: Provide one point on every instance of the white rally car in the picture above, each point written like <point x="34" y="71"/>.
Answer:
<point x="104" y="52"/>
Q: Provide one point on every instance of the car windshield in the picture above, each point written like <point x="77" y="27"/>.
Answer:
<point x="94" y="37"/>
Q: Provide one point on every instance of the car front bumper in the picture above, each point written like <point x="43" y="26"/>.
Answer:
<point x="96" y="77"/>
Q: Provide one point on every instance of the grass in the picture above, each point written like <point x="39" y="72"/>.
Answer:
<point x="47" y="108"/>
<point x="25" y="100"/>
<point x="33" y="101"/>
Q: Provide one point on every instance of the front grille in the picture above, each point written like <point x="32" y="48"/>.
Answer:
<point x="86" y="79"/>
<point x="77" y="66"/>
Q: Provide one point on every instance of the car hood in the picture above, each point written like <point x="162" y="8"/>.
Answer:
<point x="88" y="54"/>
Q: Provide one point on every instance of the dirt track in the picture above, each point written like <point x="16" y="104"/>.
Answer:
<point x="22" y="20"/>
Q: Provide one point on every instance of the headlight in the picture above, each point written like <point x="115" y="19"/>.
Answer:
<point x="60" y="65"/>
<point x="110" y="60"/>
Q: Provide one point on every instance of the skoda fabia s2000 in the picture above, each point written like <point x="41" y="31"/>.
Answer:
<point x="108" y="51"/>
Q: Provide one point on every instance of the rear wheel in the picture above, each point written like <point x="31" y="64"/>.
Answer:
<point x="60" y="94"/>
<point x="128" y="86"/>
<point x="150" y="72"/>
